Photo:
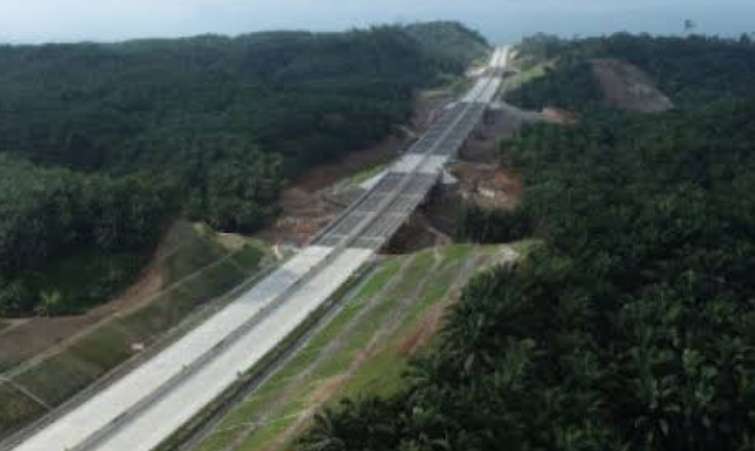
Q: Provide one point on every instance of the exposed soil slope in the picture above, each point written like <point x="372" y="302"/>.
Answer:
<point x="314" y="199"/>
<point x="488" y="185"/>
<point x="627" y="87"/>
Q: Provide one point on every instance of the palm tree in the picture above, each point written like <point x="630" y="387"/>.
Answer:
<point x="323" y="435"/>
<point x="50" y="303"/>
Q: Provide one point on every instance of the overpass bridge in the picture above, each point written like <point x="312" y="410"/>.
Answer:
<point x="147" y="405"/>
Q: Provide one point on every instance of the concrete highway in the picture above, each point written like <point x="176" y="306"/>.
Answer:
<point x="147" y="405"/>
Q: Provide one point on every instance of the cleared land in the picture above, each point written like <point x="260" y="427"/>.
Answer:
<point x="387" y="318"/>
<point x="626" y="86"/>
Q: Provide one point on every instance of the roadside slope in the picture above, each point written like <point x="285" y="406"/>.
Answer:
<point x="389" y="317"/>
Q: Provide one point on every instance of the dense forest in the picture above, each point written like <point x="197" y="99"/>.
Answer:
<point x="631" y="326"/>
<point x="103" y="144"/>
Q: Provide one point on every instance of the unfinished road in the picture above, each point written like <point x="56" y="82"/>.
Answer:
<point x="146" y="406"/>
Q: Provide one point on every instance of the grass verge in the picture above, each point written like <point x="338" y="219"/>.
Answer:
<point x="361" y="351"/>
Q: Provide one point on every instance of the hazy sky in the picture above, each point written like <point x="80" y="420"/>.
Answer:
<point x="500" y="20"/>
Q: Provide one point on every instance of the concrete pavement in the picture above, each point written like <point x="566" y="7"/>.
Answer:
<point x="147" y="405"/>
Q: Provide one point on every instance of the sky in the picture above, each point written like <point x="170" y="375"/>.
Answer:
<point x="37" y="21"/>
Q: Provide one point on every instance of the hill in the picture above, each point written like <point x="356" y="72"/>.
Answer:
<point x="208" y="127"/>
<point x="449" y="41"/>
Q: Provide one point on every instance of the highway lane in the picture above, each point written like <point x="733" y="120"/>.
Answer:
<point x="162" y="418"/>
<point x="100" y="412"/>
<point x="144" y="407"/>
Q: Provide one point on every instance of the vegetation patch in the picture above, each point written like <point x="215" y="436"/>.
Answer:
<point x="69" y="241"/>
<point x="569" y="84"/>
<point x="367" y="174"/>
<point x="526" y="75"/>
<point x="75" y="284"/>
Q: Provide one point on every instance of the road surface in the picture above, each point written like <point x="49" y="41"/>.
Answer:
<point x="147" y="405"/>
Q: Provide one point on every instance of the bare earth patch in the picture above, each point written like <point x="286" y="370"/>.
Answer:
<point x="310" y="203"/>
<point x="559" y="116"/>
<point x="488" y="185"/>
<point x="479" y="178"/>
<point x="627" y="87"/>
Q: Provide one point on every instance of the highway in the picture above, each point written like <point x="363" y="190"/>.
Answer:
<point x="147" y="405"/>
